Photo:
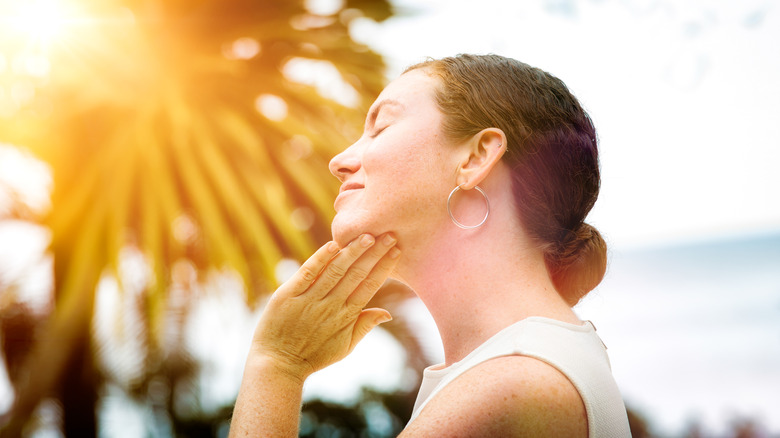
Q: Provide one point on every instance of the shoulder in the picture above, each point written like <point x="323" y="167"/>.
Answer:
<point x="505" y="396"/>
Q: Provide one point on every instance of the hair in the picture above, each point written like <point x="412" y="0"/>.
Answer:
<point x="551" y="151"/>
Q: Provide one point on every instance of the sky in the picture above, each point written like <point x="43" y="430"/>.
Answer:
<point x="683" y="94"/>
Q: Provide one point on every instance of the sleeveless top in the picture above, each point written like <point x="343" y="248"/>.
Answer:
<point x="575" y="350"/>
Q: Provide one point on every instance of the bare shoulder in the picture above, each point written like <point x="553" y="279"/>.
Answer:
<point x="507" y="396"/>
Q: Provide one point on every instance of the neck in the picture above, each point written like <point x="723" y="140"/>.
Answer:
<point x="477" y="282"/>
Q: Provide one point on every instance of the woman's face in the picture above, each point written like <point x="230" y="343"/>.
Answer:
<point x="397" y="176"/>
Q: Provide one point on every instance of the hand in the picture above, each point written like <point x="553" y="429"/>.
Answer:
<point x="317" y="318"/>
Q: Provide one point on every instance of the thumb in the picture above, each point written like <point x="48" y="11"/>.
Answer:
<point x="368" y="319"/>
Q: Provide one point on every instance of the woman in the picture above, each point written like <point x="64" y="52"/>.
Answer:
<point x="470" y="184"/>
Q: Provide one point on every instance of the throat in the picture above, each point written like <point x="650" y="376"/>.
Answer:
<point x="473" y="296"/>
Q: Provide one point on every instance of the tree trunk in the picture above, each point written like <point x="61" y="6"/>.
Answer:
<point x="79" y="392"/>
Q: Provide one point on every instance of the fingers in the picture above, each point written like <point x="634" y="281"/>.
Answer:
<point x="366" y="322"/>
<point x="353" y="273"/>
<point x="310" y="270"/>
<point x="363" y="272"/>
<point x="362" y="293"/>
<point x="317" y="316"/>
<point x="341" y="270"/>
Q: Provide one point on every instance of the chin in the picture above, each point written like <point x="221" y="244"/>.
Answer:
<point x="344" y="231"/>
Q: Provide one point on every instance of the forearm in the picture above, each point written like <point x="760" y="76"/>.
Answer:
<point x="269" y="401"/>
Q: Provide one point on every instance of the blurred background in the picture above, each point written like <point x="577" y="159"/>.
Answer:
<point x="163" y="167"/>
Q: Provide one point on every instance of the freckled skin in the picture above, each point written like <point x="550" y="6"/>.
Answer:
<point x="407" y="171"/>
<point x="395" y="182"/>
<point x="511" y="396"/>
<point x="399" y="153"/>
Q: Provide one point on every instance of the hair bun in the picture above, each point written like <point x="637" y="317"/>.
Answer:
<point x="577" y="265"/>
<point x="552" y="154"/>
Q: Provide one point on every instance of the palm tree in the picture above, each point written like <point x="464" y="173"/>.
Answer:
<point x="183" y="129"/>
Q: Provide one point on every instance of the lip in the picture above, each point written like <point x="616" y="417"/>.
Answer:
<point x="350" y="186"/>
<point x="344" y="190"/>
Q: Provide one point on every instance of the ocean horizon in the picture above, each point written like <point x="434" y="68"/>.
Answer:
<point x="693" y="331"/>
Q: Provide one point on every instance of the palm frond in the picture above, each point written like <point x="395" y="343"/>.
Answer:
<point x="152" y="123"/>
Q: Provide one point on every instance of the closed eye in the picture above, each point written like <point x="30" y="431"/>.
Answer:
<point x="382" y="115"/>
<point x="378" y="131"/>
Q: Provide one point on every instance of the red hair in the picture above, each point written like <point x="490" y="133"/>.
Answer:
<point x="551" y="150"/>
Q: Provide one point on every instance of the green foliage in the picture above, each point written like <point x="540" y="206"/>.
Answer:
<point x="176" y="128"/>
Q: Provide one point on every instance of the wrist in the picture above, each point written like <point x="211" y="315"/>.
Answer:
<point x="275" y="367"/>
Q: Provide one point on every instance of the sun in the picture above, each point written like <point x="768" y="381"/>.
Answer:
<point x="38" y="22"/>
<point x="32" y="32"/>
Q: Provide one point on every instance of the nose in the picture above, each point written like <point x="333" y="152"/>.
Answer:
<point x="345" y="163"/>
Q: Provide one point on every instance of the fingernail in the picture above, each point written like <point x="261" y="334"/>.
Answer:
<point x="367" y="240"/>
<point x="383" y="319"/>
<point x="388" y="239"/>
<point x="394" y="253"/>
<point x="332" y="247"/>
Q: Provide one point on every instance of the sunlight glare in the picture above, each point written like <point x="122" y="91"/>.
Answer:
<point x="242" y="48"/>
<point x="36" y="65"/>
<point x="302" y="218"/>
<point x="40" y="20"/>
<point x="272" y="107"/>
<point x="324" y="76"/>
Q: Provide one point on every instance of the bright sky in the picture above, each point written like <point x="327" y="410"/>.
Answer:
<point x="683" y="93"/>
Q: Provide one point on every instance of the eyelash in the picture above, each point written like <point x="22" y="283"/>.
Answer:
<point x="378" y="131"/>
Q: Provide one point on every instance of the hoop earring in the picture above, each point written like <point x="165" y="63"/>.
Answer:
<point x="455" y="221"/>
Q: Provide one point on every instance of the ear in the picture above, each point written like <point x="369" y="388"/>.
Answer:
<point x="485" y="150"/>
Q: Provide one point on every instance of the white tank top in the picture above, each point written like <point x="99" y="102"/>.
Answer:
<point x="575" y="350"/>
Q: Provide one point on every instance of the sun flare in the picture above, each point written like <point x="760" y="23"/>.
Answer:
<point x="31" y="32"/>
<point x="38" y="22"/>
<point x="45" y="23"/>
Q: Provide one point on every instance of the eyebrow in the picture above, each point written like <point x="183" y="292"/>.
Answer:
<point x="372" y="115"/>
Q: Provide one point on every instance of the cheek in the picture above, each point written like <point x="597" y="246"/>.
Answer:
<point x="405" y="186"/>
<point x="401" y="156"/>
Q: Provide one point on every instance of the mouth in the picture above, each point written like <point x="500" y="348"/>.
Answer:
<point x="345" y="189"/>
<point x="350" y="186"/>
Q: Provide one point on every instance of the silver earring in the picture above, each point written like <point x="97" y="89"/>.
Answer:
<point x="455" y="221"/>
